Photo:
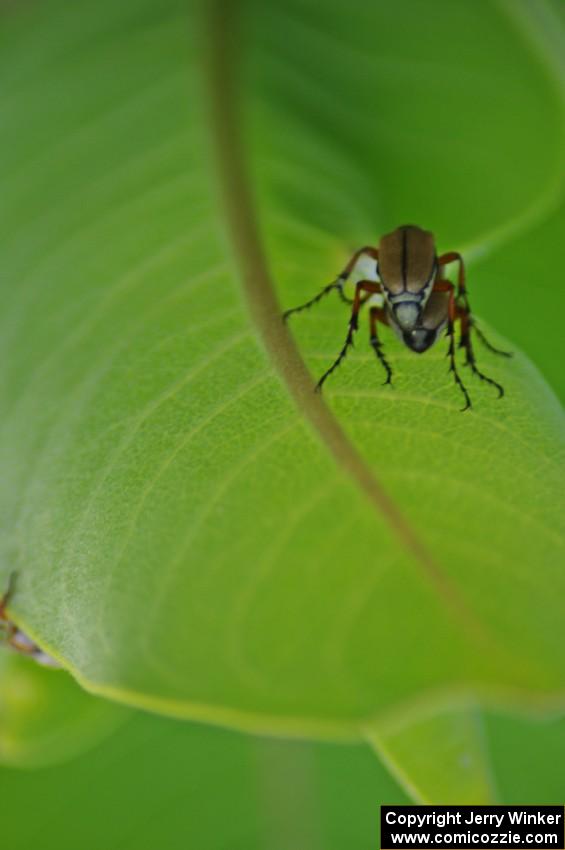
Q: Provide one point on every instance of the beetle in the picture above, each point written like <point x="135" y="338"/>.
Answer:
<point x="16" y="638"/>
<point x="409" y="293"/>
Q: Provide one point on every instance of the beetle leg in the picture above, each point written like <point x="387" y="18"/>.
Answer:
<point x="466" y="325"/>
<point x="343" y="297"/>
<point x="363" y="286"/>
<point x="367" y="249"/>
<point x="452" y="315"/>
<point x="338" y="283"/>
<point x="455" y="257"/>
<point x="485" y="341"/>
<point x="15" y="637"/>
<point x="5" y="622"/>
<point x="462" y="300"/>
<point x="377" y="314"/>
<point x="7" y="595"/>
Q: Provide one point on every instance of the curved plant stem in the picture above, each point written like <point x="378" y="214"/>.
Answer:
<point x="221" y="72"/>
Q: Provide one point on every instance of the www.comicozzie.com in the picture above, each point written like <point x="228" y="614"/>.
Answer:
<point x="468" y="826"/>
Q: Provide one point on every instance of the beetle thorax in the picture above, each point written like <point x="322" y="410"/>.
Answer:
<point x="407" y="269"/>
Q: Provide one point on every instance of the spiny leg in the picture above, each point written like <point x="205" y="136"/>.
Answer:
<point x="453" y="367"/>
<point x="376" y="314"/>
<point x="7" y="595"/>
<point x="485" y="341"/>
<point x="455" y="257"/>
<point x="462" y="297"/>
<point x="362" y="286"/>
<point x="447" y="286"/>
<point x="6" y="626"/>
<point x="338" y="283"/>
<point x="466" y="324"/>
<point x="463" y="312"/>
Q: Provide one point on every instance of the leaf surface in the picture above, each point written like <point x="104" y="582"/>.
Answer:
<point x="194" y="530"/>
<point x="441" y="759"/>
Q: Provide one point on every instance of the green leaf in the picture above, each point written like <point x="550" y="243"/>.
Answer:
<point x="162" y="783"/>
<point x="194" y="530"/>
<point x="529" y="754"/>
<point x="159" y="782"/>
<point x="45" y="718"/>
<point x="441" y="758"/>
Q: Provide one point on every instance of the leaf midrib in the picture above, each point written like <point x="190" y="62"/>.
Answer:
<point x="220" y="72"/>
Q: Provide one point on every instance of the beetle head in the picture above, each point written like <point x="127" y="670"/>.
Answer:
<point x="431" y="321"/>
<point x="419" y="339"/>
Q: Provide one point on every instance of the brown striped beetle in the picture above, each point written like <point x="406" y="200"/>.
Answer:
<point x="405" y="290"/>
<point x="16" y="638"/>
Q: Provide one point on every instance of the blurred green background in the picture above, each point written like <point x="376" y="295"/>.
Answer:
<point x="450" y="103"/>
<point x="158" y="782"/>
